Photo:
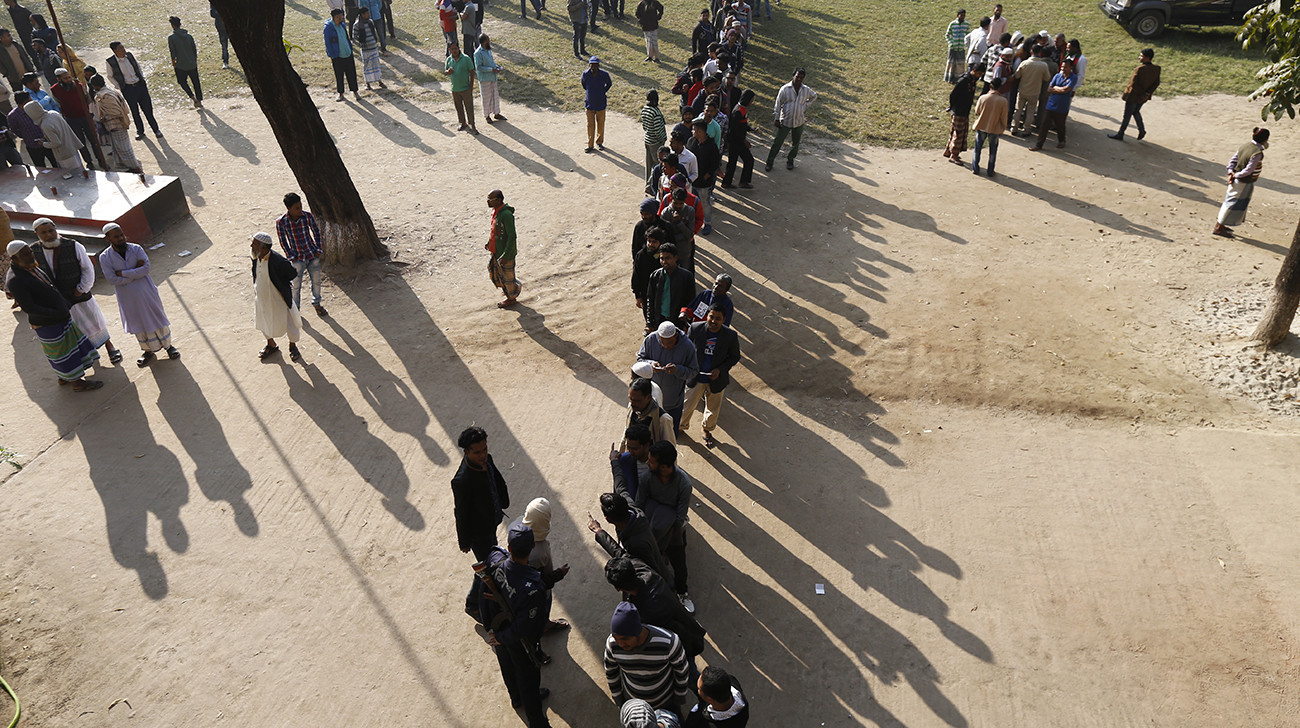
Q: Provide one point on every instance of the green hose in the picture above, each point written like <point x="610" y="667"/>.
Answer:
<point x="18" y="709"/>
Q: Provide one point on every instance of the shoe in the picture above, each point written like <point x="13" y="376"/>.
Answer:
<point x="706" y="230"/>
<point x="1118" y="137"/>
<point x="173" y="352"/>
<point x="687" y="603"/>
<point x="139" y="137"/>
<point x="727" y="185"/>
<point x="320" y="310"/>
<point x="1060" y="145"/>
<point x="1142" y="134"/>
<point x="1035" y="148"/>
<point x="115" y="356"/>
<point x="473" y="131"/>
<point x="144" y="359"/>
<point x="294" y="354"/>
<point x="601" y="147"/>
<point x="462" y="127"/>
<point x="490" y="120"/>
<point x="543" y="658"/>
<point x="709" y="442"/>
<point x="340" y="98"/>
<point x="499" y="117"/>
<point x="789" y="165"/>
<point x="746" y="186"/>
<point x="589" y="150"/>
<point x="767" y="167"/>
<point x="646" y="59"/>
<point x="975" y="169"/>
<point x="992" y="173"/>
<point x="225" y="66"/>
<point x="356" y="95"/>
<point x="157" y="135"/>
<point x="381" y="84"/>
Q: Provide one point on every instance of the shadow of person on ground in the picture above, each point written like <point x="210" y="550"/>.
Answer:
<point x="585" y="367"/>
<point x="230" y="139"/>
<point x="173" y="164"/>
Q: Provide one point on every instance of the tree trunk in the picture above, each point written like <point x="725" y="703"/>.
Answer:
<point x="1286" y="296"/>
<point x="256" y="29"/>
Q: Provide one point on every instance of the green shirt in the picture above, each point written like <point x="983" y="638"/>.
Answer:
<point x="462" y="72"/>
<point x="503" y="232"/>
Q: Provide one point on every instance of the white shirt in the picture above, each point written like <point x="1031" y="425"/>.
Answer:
<point x="87" y="281"/>
<point x="128" y="71"/>
<point x="1079" y="68"/>
<point x="791" y="104"/>
<point x="977" y="41"/>
<point x="689" y="163"/>
<point x="336" y="4"/>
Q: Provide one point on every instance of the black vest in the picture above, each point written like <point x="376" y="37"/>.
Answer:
<point x="68" y="275"/>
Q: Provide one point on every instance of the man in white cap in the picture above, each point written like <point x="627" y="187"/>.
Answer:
<point x="126" y="266"/>
<point x="59" y="137"/>
<point x="275" y="314"/>
<point x="67" y="266"/>
<point x="673" y="357"/>
<point x="66" y="348"/>
<point x="114" y="115"/>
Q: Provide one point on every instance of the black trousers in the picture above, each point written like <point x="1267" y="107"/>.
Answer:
<point x="345" y="67"/>
<point x="386" y="15"/>
<point x="579" y="39"/>
<point x="523" y="681"/>
<point x="81" y="127"/>
<point x="184" y="77"/>
<point x="41" y="157"/>
<point x="137" y="97"/>
<point x="738" y="153"/>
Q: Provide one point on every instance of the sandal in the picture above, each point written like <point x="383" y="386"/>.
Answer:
<point x="294" y="354"/>
<point x="708" y="440"/>
<point x="144" y="359"/>
<point x="173" y="352"/>
<point x="86" y="385"/>
<point x="266" y="352"/>
<point x="115" y="356"/>
<point x="556" y="625"/>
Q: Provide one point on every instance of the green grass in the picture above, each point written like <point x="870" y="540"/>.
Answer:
<point x="877" y="66"/>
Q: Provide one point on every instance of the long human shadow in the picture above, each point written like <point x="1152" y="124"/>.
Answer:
<point x="230" y="139"/>
<point x="372" y="458"/>
<point x="172" y="163"/>
<point x="524" y="165"/>
<point x="586" y="368"/>
<point x="417" y="115"/>
<point x="1084" y="210"/>
<point x="550" y="156"/>
<point x="217" y="470"/>
<point x="390" y="128"/>
<point x="387" y="394"/>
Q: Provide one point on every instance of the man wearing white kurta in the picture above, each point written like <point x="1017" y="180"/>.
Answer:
<point x="67" y="264"/>
<point x="276" y="315"/>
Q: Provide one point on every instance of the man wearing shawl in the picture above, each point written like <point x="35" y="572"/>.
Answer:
<point x="67" y="349"/>
<point x="501" y="244"/>
<point x="67" y="266"/>
<point x="275" y="313"/>
<point x="126" y="266"/>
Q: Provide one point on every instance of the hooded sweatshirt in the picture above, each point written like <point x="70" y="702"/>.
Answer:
<point x="59" y="137"/>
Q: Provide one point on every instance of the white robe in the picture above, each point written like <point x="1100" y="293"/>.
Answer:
<point x="273" y="318"/>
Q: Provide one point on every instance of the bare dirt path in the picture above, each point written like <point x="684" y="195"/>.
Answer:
<point x="966" y="408"/>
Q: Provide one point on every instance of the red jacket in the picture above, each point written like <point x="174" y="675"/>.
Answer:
<point x="72" y="101"/>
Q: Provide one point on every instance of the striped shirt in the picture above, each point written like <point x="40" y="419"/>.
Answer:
<point x="22" y="125"/>
<point x="655" y="672"/>
<point x="957" y="31"/>
<point x="791" y="103"/>
<point x="299" y="238"/>
<point x="652" y="121"/>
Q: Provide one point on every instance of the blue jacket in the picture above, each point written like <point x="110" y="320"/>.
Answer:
<point x="332" y="39"/>
<point x="597" y="87"/>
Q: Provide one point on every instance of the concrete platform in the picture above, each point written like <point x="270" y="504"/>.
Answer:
<point x="142" y="204"/>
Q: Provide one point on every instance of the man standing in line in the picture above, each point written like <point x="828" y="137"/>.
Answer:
<point x="788" y="112"/>
<point x="481" y="495"/>
<point x="447" y="17"/>
<point x="65" y="346"/>
<point x="631" y="528"/>
<point x="675" y="363"/>
<point x="664" y="494"/>
<point x="670" y="288"/>
<point x="1058" y="105"/>
<point x="703" y="34"/>
<point x="185" y="61"/>
<point x="67" y="266"/>
<point x="367" y="36"/>
<point x="22" y="18"/>
<point x="1146" y="78"/>
<point x="990" y="122"/>
<point x="596" y="83"/>
<point x="338" y="46"/>
<point x="650" y="12"/>
<point x="722" y="702"/>
<point x="709" y="158"/>
<point x="59" y="137"/>
<point x="126" y="266"/>
<point x="718" y="349"/>
<point x="222" y="36"/>
<point x="643" y="661"/>
<point x="460" y="67"/>
<point x="45" y="60"/>
<point x="1032" y="76"/>
<point x="302" y="245"/>
<point x="376" y="8"/>
<point x="33" y="138"/>
<point x="14" y="61"/>
<point x="518" y="623"/>
<point x="502" y="247"/>
<point x="274" y="312"/>
<point x="72" y="105"/>
<point x="960" y="99"/>
<point x="654" y="129"/>
<point x="469" y="29"/>
<point x="578" y="10"/>
<point x="130" y="80"/>
<point x="114" y="116"/>
<point x="644" y="411"/>
<point x="486" y="70"/>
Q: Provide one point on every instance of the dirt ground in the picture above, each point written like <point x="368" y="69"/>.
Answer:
<point x="966" y="408"/>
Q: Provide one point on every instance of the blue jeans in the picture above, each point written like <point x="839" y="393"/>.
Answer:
<point x="992" y="139"/>
<point x="311" y="268"/>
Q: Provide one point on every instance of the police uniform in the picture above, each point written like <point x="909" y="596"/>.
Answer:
<point x="530" y="602"/>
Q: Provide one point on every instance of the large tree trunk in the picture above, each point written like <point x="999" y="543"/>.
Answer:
<point x="256" y="30"/>
<point x="1286" y="296"/>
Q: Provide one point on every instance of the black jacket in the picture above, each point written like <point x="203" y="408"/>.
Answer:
<point x="962" y="96"/>
<point x="644" y="265"/>
<point x="475" y="513"/>
<point x="116" y="69"/>
<point x="681" y="289"/>
<point x="726" y="354"/>
<point x="43" y="305"/>
<point x="15" y="75"/>
<point x="282" y="275"/>
<point x="709" y="159"/>
<point x="697" y="718"/>
<point x="638" y="234"/>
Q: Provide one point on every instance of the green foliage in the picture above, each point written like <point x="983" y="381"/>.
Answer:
<point x="11" y="457"/>
<point x="1276" y="34"/>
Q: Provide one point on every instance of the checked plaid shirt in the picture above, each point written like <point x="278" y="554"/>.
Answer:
<point x="300" y="239"/>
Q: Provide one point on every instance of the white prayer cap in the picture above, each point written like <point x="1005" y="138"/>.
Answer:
<point x="263" y="238"/>
<point x="667" y="330"/>
<point x="643" y="369"/>
<point x="14" y="247"/>
<point x="111" y="226"/>
<point x="1044" y="34"/>
<point x="61" y="72"/>
<point x="42" y="221"/>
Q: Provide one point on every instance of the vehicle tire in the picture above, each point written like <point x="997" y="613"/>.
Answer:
<point x="1148" y="24"/>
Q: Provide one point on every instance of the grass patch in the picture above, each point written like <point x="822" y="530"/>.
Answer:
<point x="878" y="67"/>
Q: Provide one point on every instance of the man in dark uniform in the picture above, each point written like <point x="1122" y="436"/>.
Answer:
<point x="515" y="625"/>
<point x="481" y="495"/>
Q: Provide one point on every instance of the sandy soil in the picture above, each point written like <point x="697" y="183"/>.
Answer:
<point x="974" y="409"/>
